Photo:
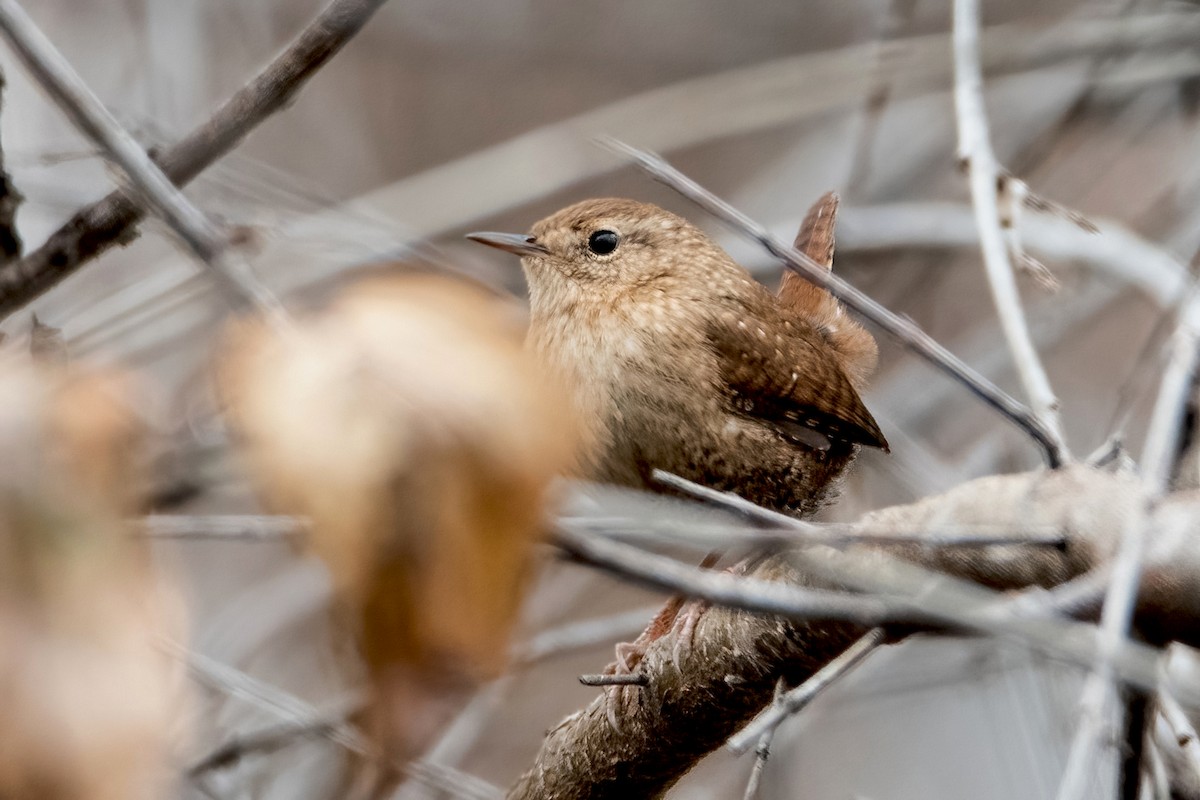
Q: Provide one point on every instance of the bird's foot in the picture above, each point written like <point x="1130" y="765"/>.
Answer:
<point x="684" y="630"/>
<point x="621" y="700"/>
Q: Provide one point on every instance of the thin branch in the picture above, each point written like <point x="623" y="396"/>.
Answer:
<point x="281" y="704"/>
<point x="975" y="152"/>
<point x="1156" y="779"/>
<point x="303" y="717"/>
<point x="68" y="90"/>
<point x="1076" y="597"/>
<point x="796" y="699"/>
<point x="655" y="571"/>
<point x="1184" y="735"/>
<point x="902" y="328"/>
<point x="452" y="781"/>
<point x="903" y="594"/>
<point x="632" y="679"/>
<point x="457" y="738"/>
<point x="1162" y="436"/>
<point x="1113" y="250"/>
<point x="111" y="220"/>
<point x="762" y="752"/>
<point x="275" y="737"/>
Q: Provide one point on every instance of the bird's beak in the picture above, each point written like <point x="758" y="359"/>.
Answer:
<point x="518" y="243"/>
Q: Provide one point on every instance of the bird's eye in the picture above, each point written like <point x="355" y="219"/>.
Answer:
<point x="603" y="242"/>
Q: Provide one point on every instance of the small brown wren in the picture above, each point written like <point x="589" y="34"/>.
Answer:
<point x="680" y="360"/>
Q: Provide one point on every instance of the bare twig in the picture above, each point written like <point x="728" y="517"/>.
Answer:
<point x="457" y="737"/>
<point x="904" y="329"/>
<point x="283" y="705"/>
<point x="1072" y="598"/>
<point x="453" y="781"/>
<point x="110" y="221"/>
<point x="632" y="679"/>
<point x="640" y="566"/>
<point x="56" y="76"/>
<point x="1157" y="784"/>
<point x="713" y="536"/>
<point x="303" y="718"/>
<point x="796" y="699"/>
<point x="762" y="752"/>
<point x="277" y="736"/>
<point x="1113" y="250"/>
<point x="975" y="151"/>
<point x="1162" y="437"/>
<point x="1011" y="197"/>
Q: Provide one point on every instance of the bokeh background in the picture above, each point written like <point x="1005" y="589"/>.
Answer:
<point x="447" y="117"/>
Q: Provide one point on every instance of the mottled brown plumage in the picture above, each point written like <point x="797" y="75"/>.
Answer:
<point x="681" y="361"/>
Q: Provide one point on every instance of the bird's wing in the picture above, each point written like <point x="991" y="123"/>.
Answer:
<point x="789" y="382"/>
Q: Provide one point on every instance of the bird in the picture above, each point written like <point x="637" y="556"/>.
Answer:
<point x="677" y="359"/>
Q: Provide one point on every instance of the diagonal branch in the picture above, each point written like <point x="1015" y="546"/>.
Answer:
<point x="902" y="328"/>
<point x="68" y="90"/>
<point x="793" y="701"/>
<point x="975" y="153"/>
<point x="111" y="221"/>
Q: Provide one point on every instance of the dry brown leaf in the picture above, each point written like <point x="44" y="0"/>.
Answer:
<point x="90" y="703"/>
<point x="410" y="426"/>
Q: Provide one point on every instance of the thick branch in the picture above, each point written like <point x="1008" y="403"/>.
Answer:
<point x="730" y="674"/>
<point x="111" y="220"/>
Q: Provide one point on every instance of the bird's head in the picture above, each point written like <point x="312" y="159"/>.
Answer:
<point x="606" y="247"/>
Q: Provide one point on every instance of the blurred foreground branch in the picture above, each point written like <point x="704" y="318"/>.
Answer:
<point x="111" y="221"/>
<point x="729" y="676"/>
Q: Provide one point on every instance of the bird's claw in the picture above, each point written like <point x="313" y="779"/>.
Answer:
<point x="622" y="699"/>
<point x="683" y="629"/>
